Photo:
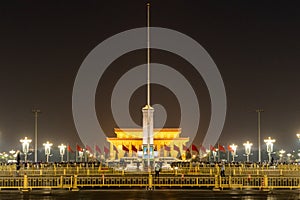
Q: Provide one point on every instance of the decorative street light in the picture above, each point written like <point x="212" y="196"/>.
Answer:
<point x="289" y="156"/>
<point x="80" y="155"/>
<point x="62" y="149"/>
<point x="47" y="146"/>
<point x="208" y="154"/>
<point x="281" y="152"/>
<point x="233" y="152"/>
<point x="298" y="136"/>
<point x="25" y="146"/>
<point x="269" y="142"/>
<point x="248" y="149"/>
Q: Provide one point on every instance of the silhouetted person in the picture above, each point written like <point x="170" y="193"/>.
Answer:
<point x="157" y="169"/>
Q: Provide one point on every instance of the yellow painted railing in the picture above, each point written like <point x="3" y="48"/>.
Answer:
<point x="149" y="181"/>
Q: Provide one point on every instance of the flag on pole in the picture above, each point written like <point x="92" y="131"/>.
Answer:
<point x="184" y="148"/>
<point x="176" y="148"/>
<point x="203" y="149"/>
<point x="115" y="149"/>
<point x="98" y="149"/>
<point x="212" y="148"/>
<point x="167" y="148"/>
<point x="106" y="150"/>
<point x="229" y="148"/>
<point x="133" y="148"/>
<point x="124" y="148"/>
<point x="89" y="148"/>
<point x="69" y="149"/>
<point x="221" y="148"/>
<point x="194" y="148"/>
<point x="78" y="148"/>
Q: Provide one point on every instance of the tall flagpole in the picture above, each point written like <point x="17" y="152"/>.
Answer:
<point x="148" y="54"/>
<point x="148" y="84"/>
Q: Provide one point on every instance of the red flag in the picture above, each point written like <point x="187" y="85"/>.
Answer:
<point x="212" y="148"/>
<point x="203" y="149"/>
<point x="221" y="148"/>
<point x="167" y="148"/>
<point x="89" y="148"/>
<point x="78" y="148"/>
<point x="194" y="148"/>
<point x="229" y="148"/>
<point x="124" y="148"/>
<point x="176" y="148"/>
<point x="98" y="149"/>
<point x="115" y="149"/>
<point x="106" y="150"/>
<point x="133" y="148"/>
<point x="184" y="148"/>
<point x="69" y="149"/>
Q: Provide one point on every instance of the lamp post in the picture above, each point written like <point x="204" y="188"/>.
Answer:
<point x="36" y="112"/>
<point x="47" y="146"/>
<point x="298" y="136"/>
<point x="258" y="133"/>
<point x="281" y="152"/>
<point x="208" y="154"/>
<point x="25" y="146"/>
<point x="289" y="157"/>
<point x="233" y="152"/>
<point x="269" y="142"/>
<point x="62" y="149"/>
<point x="248" y="149"/>
<point x="80" y="155"/>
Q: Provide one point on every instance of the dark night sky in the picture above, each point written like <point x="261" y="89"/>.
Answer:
<point x="256" y="47"/>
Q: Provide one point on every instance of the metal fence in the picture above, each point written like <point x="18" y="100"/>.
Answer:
<point x="74" y="177"/>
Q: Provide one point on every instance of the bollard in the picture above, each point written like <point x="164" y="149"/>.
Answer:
<point x="25" y="184"/>
<point x="61" y="182"/>
<point x="75" y="188"/>
<point x="266" y="181"/>
<point x="216" y="188"/>
<point x="150" y="182"/>
<point x="102" y="179"/>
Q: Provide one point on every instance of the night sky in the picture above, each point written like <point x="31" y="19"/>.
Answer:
<point x="255" y="45"/>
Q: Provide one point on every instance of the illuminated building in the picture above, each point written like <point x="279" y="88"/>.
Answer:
<point x="166" y="137"/>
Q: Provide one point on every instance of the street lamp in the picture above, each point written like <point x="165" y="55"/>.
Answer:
<point x="248" y="149"/>
<point x="62" y="149"/>
<point x="258" y="132"/>
<point x="80" y="154"/>
<point x="281" y="152"/>
<point x="269" y="142"/>
<point x="47" y="146"/>
<point x="233" y="152"/>
<point x="298" y="136"/>
<point x="25" y="146"/>
<point x="289" y="156"/>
